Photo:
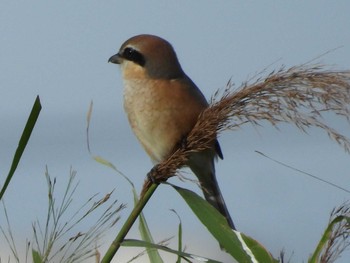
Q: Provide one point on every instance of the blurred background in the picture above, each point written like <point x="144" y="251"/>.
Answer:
<point x="59" y="51"/>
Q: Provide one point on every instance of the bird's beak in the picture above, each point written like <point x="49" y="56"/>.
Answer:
<point x="116" y="59"/>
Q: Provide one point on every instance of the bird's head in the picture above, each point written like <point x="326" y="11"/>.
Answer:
<point x="147" y="56"/>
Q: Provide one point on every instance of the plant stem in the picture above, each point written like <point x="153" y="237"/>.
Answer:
<point x="113" y="248"/>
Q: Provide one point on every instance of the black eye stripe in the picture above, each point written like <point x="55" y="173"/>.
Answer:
<point x="133" y="55"/>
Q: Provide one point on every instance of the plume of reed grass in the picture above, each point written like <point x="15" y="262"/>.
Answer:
<point x="338" y="235"/>
<point x="299" y="95"/>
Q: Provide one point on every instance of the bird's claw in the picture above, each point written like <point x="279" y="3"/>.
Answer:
<point x="151" y="175"/>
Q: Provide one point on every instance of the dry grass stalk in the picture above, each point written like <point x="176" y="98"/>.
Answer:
<point x="299" y="95"/>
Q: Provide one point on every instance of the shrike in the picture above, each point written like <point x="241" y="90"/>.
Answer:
<point x="163" y="104"/>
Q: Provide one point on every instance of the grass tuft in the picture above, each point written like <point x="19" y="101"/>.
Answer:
<point x="67" y="235"/>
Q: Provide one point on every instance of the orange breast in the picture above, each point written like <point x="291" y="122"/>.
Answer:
<point x="162" y="112"/>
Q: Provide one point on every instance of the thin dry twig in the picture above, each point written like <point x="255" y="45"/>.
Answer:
<point x="300" y="95"/>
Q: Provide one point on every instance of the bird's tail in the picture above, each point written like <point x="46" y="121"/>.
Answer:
<point x="202" y="164"/>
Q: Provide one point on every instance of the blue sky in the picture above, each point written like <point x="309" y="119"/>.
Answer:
<point x="59" y="50"/>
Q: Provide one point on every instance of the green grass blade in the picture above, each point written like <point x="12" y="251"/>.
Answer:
<point x="143" y="226"/>
<point x="326" y="235"/>
<point x="258" y="250"/>
<point x="107" y="163"/>
<point x="179" y="243"/>
<point x="22" y="142"/>
<point x="146" y="236"/>
<point x="239" y="246"/>
<point x="36" y="257"/>
<point x="140" y="243"/>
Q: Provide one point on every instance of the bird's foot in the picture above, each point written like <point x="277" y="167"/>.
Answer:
<point x="183" y="142"/>
<point x="152" y="175"/>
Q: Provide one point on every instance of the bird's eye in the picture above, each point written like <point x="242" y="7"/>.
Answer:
<point x="128" y="53"/>
<point x="133" y="55"/>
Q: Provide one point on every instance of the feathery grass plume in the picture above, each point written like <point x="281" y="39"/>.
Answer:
<point x="339" y="238"/>
<point x="62" y="238"/>
<point x="299" y="95"/>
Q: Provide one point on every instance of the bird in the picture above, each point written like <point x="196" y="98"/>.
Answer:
<point x="163" y="105"/>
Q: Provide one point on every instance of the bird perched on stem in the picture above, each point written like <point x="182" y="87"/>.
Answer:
<point x="163" y="104"/>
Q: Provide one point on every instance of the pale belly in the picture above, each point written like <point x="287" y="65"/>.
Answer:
<point x="155" y="120"/>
